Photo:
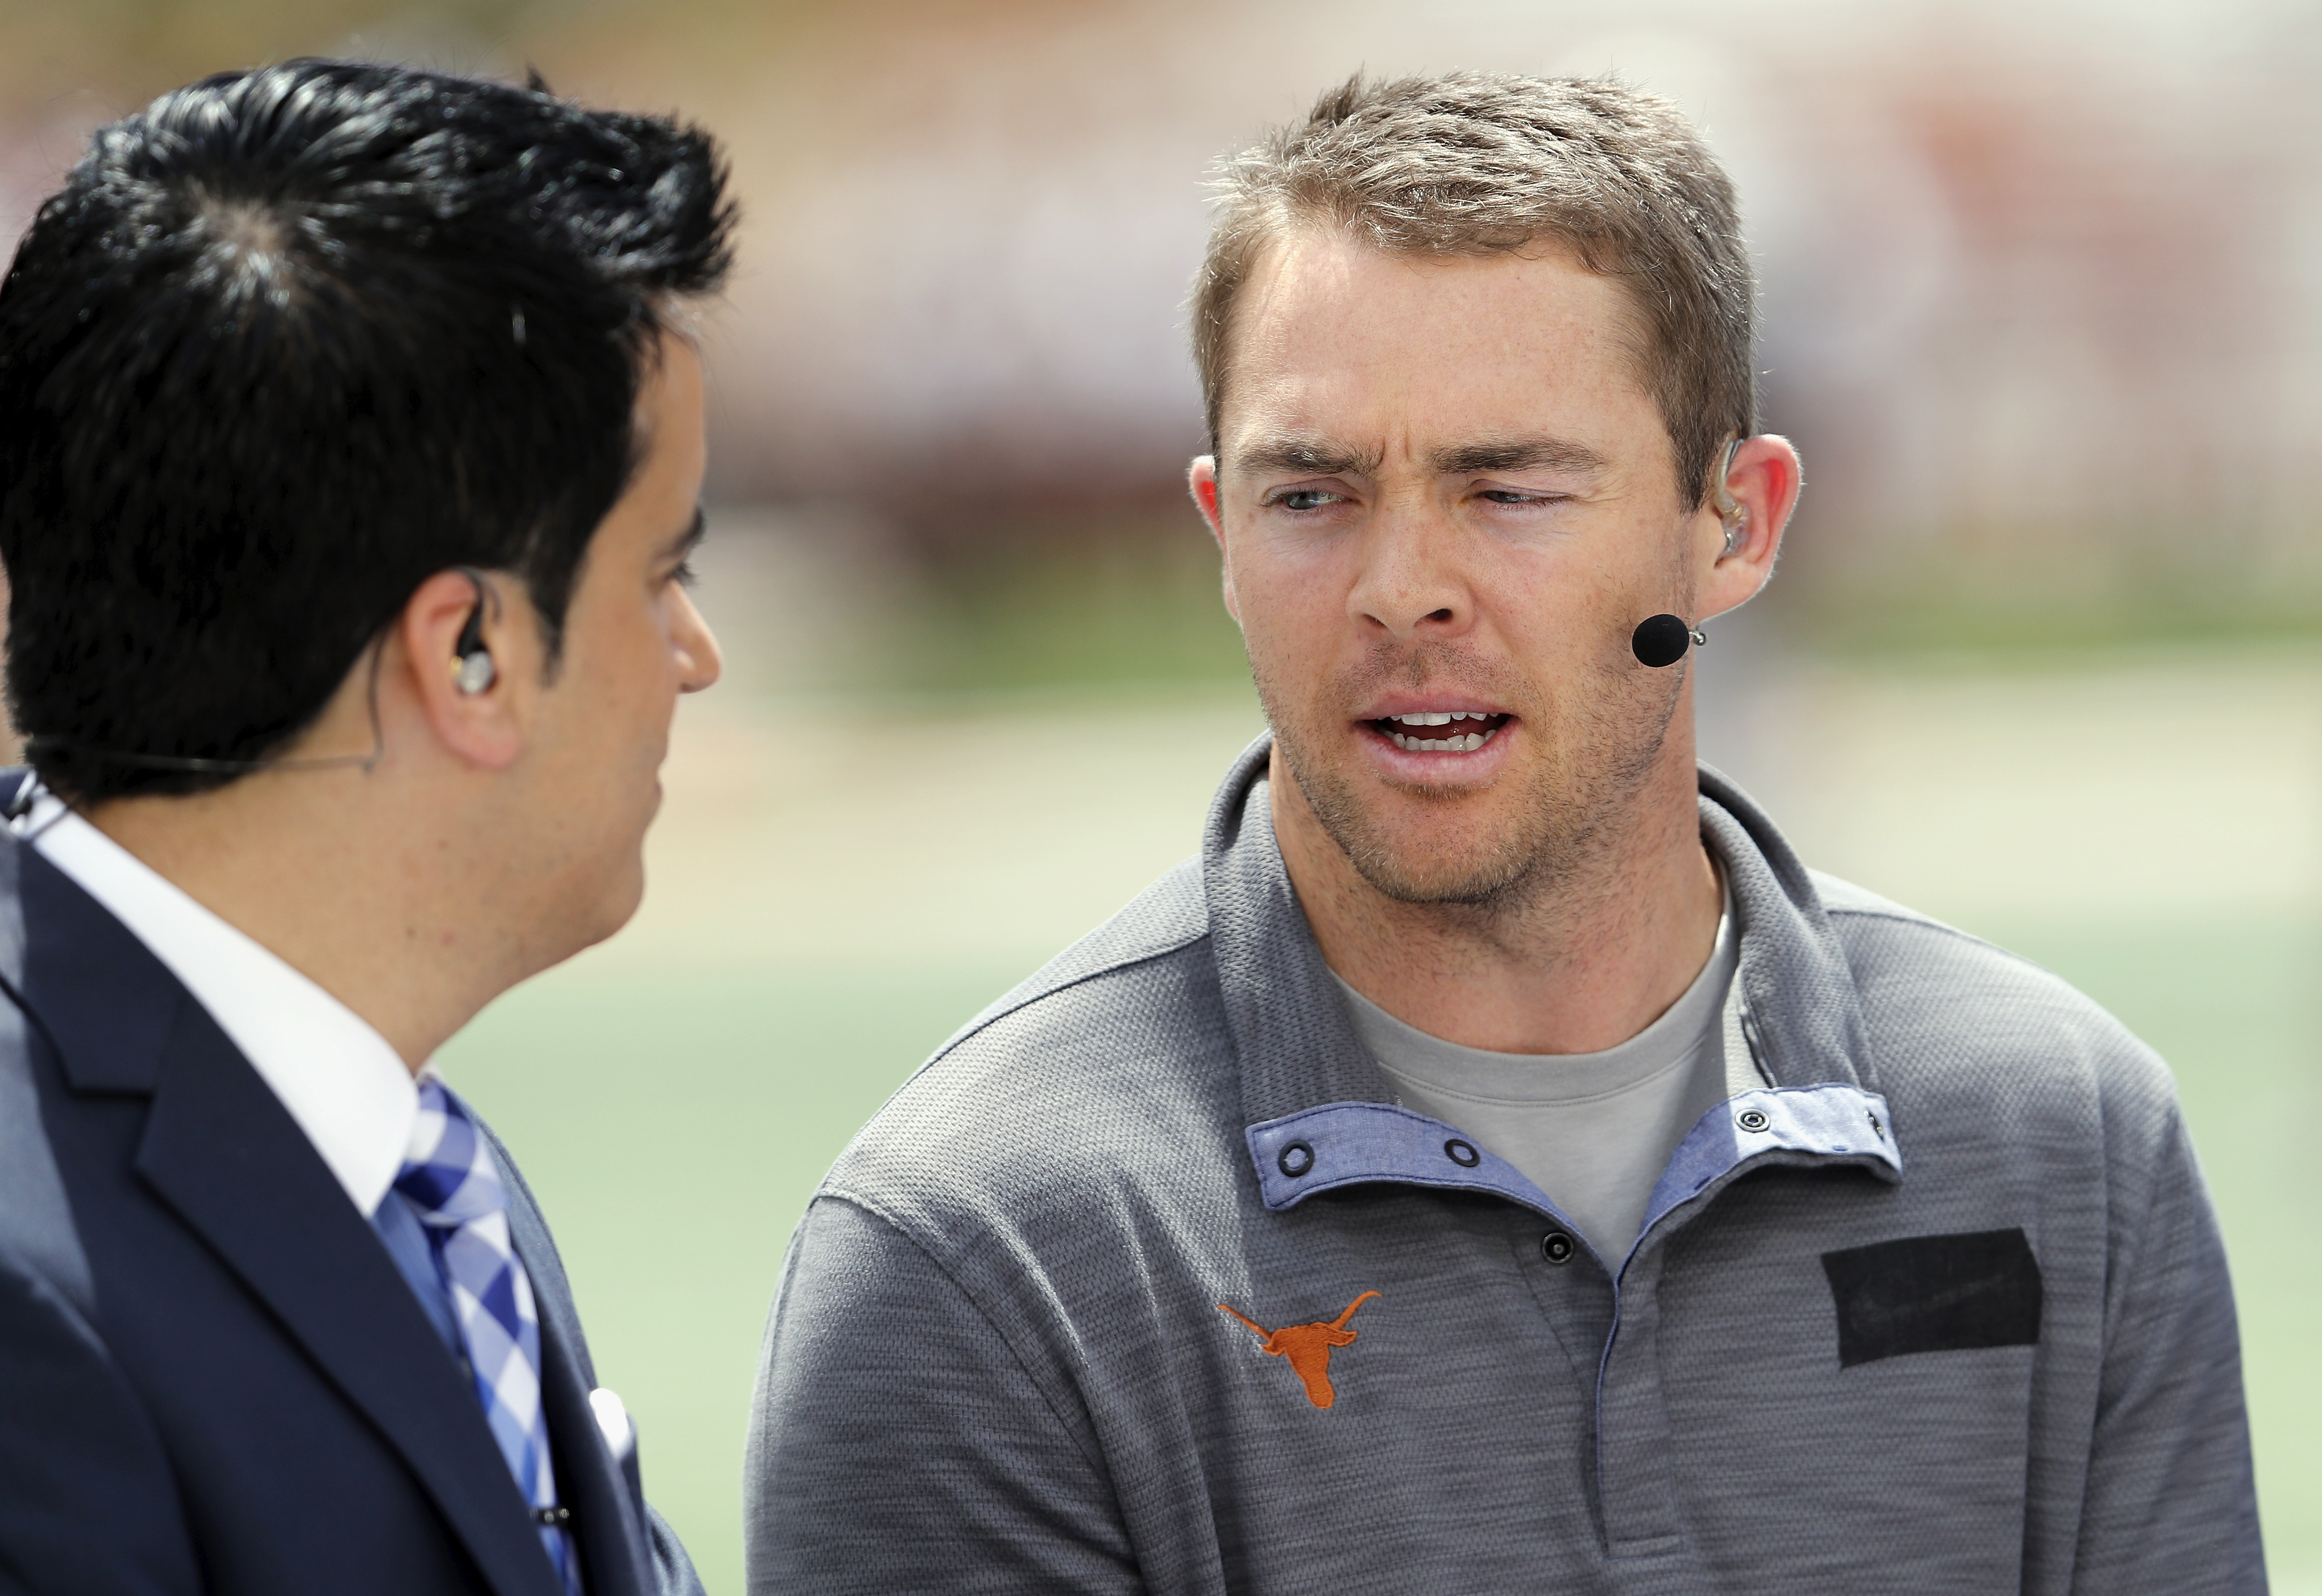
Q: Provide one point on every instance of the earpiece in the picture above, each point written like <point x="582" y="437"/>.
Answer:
<point x="1662" y="639"/>
<point x="1731" y="512"/>
<point x="476" y="671"/>
<point x="473" y="669"/>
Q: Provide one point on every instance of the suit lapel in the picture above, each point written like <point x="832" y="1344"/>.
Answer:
<point x="221" y="1150"/>
<point x="605" y="1519"/>
<point x="607" y="1514"/>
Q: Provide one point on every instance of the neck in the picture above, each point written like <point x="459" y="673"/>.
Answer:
<point x="328" y="871"/>
<point x="1577" y="965"/>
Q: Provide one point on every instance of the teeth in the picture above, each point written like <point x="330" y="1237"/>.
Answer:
<point x="1466" y="744"/>
<point x="1439" y="717"/>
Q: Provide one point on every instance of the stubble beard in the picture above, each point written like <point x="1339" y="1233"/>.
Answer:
<point x="1598" y="743"/>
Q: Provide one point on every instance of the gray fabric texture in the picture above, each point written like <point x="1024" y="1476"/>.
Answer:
<point x="997" y="1361"/>
<point x="1592" y="1130"/>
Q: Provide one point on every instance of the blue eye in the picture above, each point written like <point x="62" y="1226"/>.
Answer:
<point x="1306" y="499"/>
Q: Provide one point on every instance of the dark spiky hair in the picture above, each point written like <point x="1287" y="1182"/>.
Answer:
<point x="287" y="343"/>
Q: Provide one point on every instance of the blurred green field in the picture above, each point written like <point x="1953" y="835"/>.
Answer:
<point x="674" y="1127"/>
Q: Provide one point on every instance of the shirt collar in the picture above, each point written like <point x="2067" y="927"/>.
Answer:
<point x="1296" y="1046"/>
<point x="1320" y="1109"/>
<point x="344" y="1085"/>
<point x="1298" y="1050"/>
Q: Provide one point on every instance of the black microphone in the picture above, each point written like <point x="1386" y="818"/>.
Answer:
<point x="1662" y="639"/>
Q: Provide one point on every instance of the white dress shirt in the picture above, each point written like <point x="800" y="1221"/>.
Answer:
<point x="347" y="1089"/>
<point x="344" y="1085"/>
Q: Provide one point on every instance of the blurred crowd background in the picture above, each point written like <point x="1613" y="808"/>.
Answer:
<point x="2043" y="308"/>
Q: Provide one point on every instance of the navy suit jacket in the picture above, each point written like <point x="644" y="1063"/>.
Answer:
<point x="212" y="1376"/>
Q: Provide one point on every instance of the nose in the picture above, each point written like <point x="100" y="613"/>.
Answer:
<point x="1409" y="587"/>
<point x="700" y="664"/>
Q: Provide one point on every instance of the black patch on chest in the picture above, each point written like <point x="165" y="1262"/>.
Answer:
<point x="1934" y="1293"/>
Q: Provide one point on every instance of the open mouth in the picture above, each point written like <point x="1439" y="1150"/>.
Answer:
<point x="1439" y="731"/>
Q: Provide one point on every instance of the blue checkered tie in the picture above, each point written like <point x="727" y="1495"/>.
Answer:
<point x="451" y="1180"/>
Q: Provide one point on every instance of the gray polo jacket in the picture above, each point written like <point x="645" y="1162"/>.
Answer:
<point x="1143" y="1283"/>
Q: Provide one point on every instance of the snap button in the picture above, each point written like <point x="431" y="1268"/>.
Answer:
<point x="1296" y="1160"/>
<point x="1752" y="1120"/>
<point x="1462" y="1153"/>
<point x="1556" y="1248"/>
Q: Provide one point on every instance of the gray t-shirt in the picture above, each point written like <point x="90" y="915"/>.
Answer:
<point x="1593" y="1130"/>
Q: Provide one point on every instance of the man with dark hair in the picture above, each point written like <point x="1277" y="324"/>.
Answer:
<point x="350" y="451"/>
<point x="1497" y="1163"/>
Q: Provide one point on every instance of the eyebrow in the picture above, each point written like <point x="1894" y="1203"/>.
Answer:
<point x="1537" y="454"/>
<point x="1310" y="457"/>
<point x="1305" y="457"/>
<point x="686" y="542"/>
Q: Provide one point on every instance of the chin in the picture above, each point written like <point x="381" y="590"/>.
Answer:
<point x="1426" y="848"/>
<point x="1420" y="875"/>
<point x="1436" y="845"/>
<point x="620" y="905"/>
<point x="592" y="917"/>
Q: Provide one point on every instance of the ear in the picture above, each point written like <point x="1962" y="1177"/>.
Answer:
<point x="1201" y="481"/>
<point x="1763" y="481"/>
<point x="479" y="728"/>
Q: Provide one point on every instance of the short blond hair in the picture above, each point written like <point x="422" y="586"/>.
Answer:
<point x="1475" y="163"/>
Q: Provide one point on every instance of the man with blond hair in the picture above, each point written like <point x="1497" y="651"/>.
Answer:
<point x="1496" y="1163"/>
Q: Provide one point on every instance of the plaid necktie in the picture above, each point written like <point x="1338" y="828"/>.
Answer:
<point x="450" y="1179"/>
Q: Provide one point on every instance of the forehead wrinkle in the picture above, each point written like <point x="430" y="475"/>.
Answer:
<point x="1536" y="454"/>
<point x="1306" y="456"/>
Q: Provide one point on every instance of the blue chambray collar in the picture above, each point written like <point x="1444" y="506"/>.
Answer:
<point x="1339" y="1145"/>
<point x="1348" y="1144"/>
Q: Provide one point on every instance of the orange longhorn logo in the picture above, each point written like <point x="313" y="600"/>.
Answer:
<point x="1308" y="1347"/>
